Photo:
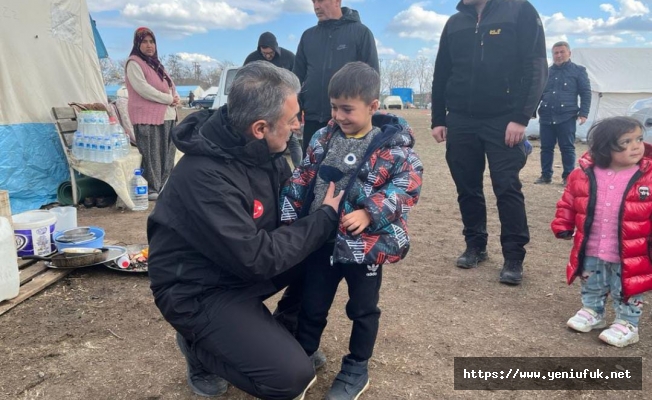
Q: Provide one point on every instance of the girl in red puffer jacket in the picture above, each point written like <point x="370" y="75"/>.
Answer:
<point x="608" y="201"/>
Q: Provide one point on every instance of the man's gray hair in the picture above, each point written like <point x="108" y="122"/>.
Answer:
<point x="561" y="43"/>
<point x="258" y="93"/>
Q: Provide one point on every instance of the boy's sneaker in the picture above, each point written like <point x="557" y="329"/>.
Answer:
<point x="202" y="382"/>
<point x="620" y="334"/>
<point x="471" y="257"/>
<point x="585" y="320"/>
<point x="303" y="395"/>
<point x="318" y="359"/>
<point x="351" y="381"/>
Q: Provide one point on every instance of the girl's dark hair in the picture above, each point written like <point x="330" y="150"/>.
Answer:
<point x="604" y="135"/>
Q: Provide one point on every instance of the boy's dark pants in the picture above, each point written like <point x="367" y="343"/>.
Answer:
<point x="319" y="290"/>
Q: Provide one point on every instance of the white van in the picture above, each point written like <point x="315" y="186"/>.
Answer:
<point x="226" y="80"/>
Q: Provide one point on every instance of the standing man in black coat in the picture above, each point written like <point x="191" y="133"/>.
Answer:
<point x="338" y="38"/>
<point x="269" y="50"/>
<point x="490" y="72"/>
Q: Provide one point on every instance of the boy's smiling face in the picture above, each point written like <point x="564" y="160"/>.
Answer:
<point x="353" y="115"/>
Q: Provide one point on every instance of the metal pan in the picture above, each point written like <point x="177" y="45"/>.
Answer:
<point x="75" y="257"/>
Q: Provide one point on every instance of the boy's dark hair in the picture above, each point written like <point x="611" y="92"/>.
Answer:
<point x="604" y="135"/>
<point x="355" y="80"/>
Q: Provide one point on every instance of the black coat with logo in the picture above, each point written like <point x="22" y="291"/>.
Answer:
<point x="323" y="50"/>
<point x="217" y="222"/>
<point x="490" y="65"/>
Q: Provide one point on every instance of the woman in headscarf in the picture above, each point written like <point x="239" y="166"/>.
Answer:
<point x="152" y="109"/>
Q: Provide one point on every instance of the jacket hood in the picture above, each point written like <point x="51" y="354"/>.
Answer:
<point x="209" y="133"/>
<point x="586" y="161"/>
<point x="268" y="39"/>
<point x="395" y="131"/>
<point x="348" y="15"/>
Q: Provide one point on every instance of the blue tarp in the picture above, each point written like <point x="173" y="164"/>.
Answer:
<point x="112" y="90"/>
<point x="99" y="44"/>
<point x="33" y="165"/>
<point x="184" y="91"/>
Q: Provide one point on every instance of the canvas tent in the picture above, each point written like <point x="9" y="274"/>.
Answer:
<point x="48" y="59"/>
<point x="184" y="91"/>
<point x="619" y="77"/>
<point x="211" y="90"/>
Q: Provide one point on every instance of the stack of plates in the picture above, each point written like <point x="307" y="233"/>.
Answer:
<point x="77" y="235"/>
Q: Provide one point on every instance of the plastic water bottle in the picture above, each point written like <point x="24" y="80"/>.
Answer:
<point x="78" y="145"/>
<point x="138" y="192"/>
<point x="108" y="150"/>
<point x="87" y="147"/>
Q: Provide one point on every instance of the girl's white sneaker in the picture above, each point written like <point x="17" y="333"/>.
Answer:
<point x="585" y="320"/>
<point x="620" y="334"/>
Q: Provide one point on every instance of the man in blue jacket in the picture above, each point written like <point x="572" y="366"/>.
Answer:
<point x="338" y="38"/>
<point x="489" y="76"/>
<point x="559" y="111"/>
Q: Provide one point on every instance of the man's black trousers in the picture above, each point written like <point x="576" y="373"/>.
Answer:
<point x="320" y="286"/>
<point x="468" y="142"/>
<point x="234" y="335"/>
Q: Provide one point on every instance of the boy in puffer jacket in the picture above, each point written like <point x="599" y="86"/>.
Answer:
<point x="370" y="157"/>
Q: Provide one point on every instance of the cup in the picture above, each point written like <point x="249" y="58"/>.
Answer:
<point x="66" y="218"/>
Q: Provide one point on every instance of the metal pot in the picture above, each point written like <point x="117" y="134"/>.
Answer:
<point x="74" y="257"/>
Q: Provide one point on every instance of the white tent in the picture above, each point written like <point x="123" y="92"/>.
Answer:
<point x="619" y="77"/>
<point x="48" y="60"/>
<point x="211" y="90"/>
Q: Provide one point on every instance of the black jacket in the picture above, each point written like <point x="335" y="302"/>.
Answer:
<point x="283" y="58"/>
<point x="216" y="223"/>
<point x="323" y="50"/>
<point x="490" y="65"/>
<point x="559" y="101"/>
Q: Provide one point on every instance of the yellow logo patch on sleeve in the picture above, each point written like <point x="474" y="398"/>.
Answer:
<point x="494" y="32"/>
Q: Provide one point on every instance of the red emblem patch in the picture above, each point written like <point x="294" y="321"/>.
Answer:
<point x="258" y="209"/>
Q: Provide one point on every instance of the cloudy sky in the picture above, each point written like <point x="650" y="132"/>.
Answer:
<point x="209" y="31"/>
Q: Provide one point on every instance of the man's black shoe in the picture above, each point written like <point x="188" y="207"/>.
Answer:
<point x="543" y="180"/>
<point x="202" y="382"/>
<point x="512" y="272"/>
<point x="471" y="257"/>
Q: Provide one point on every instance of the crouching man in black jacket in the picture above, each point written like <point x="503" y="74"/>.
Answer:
<point x="217" y="249"/>
<point x="490" y="72"/>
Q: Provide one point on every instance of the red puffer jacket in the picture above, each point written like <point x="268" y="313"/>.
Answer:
<point x="576" y="209"/>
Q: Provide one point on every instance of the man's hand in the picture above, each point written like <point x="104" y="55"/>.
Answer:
<point x="514" y="134"/>
<point x="582" y="120"/>
<point x="330" y="199"/>
<point x="439" y="133"/>
<point x="356" y="221"/>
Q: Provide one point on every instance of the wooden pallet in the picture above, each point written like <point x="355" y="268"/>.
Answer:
<point x="34" y="277"/>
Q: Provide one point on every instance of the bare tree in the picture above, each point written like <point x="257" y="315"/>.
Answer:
<point x="112" y="72"/>
<point x="423" y="69"/>
<point x="177" y="69"/>
<point x="396" y="73"/>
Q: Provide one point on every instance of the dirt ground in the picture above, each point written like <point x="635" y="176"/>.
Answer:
<point x="97" y="334"/>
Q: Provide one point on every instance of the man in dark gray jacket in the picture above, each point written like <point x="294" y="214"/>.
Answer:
<point x="559" y="112"/>
<point x="338" y="38"/>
